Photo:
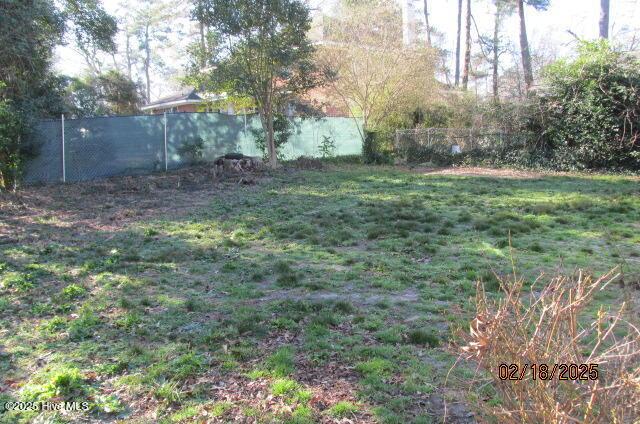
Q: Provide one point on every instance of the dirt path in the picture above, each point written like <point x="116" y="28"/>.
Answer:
<point x="479" y="172"/>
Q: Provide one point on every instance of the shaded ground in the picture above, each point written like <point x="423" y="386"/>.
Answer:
<point x="304" y="296"/>
<point x="112" y="203"/>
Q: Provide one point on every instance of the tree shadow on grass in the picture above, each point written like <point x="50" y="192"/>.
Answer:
<point x="161" y="286"/>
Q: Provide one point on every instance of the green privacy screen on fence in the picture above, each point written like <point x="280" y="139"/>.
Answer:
<point x="129" y="145"/>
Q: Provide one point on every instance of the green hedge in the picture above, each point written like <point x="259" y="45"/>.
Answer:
<point x="375" y="149"/>
<point x="591" y="109"/>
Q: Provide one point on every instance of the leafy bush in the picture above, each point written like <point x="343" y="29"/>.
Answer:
<point x="586" y="115"/>
<point x="458" y="110"/>
<point x="437" y="116"/>
<point x="327" y="147"/>
<point x="12" y="129"/>
<point x="591" y="109"/>
<point x="111" y="93"/>
<point x="192" y="149"/>
<point x="374" y="150"/>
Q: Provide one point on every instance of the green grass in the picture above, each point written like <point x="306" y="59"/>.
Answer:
<point x="348" y="280"/>
<point x="281" y="362"/>
<point x="422" y="337"/>
<point x="343" y="409"/>
<point x="284" y="387"/>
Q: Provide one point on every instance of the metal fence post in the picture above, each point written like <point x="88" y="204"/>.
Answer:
<point x="166" y="159"/>
<point x="64" y="163"/>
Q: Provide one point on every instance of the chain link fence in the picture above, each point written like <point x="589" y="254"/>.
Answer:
<point x="89" y="148"/>
<point x="444" y="144"/>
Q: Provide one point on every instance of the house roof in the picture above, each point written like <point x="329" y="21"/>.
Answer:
<point x="185" y="97"/>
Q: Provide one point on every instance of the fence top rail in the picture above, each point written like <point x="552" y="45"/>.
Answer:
<point x="160" y="115"/>
<point x="151" y="116"/>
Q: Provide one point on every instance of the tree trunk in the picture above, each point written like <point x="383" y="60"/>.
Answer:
<point x="467" y="52"/>
<point x="457" y="76"/>
<point x="93" y="68"/>
<point x="128" y="54"/>
<point x="203" y="47"/>
<point x="426" y="21"/>
<point x="266" y="119"/>
<point x="524" y="49"/>
<point x="271" y="144"/>
<point x="203" y="44"/>
<point x="604" y="19"/>
<point x="90" y="58"/>
<point x="116" y="66"/>
<point x="147" y="62"/>
<point x="496" y="29"/>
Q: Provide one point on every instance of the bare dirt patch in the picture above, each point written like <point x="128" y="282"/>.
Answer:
<point x="479" y="172"/>
<point x="347" y="293"/>
<point x="112" y="204"/>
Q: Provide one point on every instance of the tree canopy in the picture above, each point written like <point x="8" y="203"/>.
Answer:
<point x="26" y="50"/>
<point x="30" y="30"/>
<point x="370" y="69"/>
<point x="110" y="93"/>
<point x="264" y="55"/>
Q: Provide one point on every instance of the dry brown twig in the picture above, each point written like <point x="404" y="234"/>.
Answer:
<point x="550" y="327"/>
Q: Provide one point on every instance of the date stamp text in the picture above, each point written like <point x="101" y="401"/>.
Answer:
<point x="573" y="372"/>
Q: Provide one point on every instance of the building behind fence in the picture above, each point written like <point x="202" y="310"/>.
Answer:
<point x="89" y="148"/>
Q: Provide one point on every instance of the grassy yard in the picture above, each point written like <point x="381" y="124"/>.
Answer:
<point x="309" y="296"/>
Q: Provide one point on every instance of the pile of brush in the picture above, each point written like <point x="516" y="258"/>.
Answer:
<point x="236" y="163"/>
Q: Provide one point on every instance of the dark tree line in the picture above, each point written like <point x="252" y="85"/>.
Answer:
<point x="29" y="89"/>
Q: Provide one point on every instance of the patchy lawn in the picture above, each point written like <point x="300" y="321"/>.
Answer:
<point x="309" y="296"/>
